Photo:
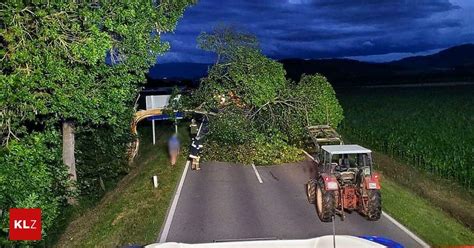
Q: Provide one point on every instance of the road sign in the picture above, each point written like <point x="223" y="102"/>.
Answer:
<point x="157" y="101"/>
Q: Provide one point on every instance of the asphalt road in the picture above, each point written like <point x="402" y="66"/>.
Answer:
<point x="225" y="201"/>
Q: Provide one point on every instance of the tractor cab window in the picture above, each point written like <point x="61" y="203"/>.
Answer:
<point x="327" y="158"/>
<point x="335" y="159"/>
<point x="362" y="160"/>
<point x="343" y="162"/>
<point x="347" y="160"/>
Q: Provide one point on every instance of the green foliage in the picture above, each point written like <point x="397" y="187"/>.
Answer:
<point x="32" y="176"/>
<point x="260" y="150"/>
<point x="241" y="70"/>
<point x="248" y="75"/>
<point x="319" y="99"/>
<point x="274" y="150"/>
<point x="429" y="128"/>
<point x="230" y="129"/>
<point x="312" y="101"/>
<point x="55" y="53"/>
<point x="175" y="105"/>
<point x="256" y="78"/>
<point x="233" y="138"/>
<point x="100" y="158"/>
<point x="225" y="40"/>
<point x="123" y="217"/>
<point x="233" y="153"/>
<point x="262" y="117"/>
<point x="74" y="61"/>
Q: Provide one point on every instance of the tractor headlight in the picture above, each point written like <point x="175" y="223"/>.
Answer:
<point x="372" y="185"/>
<point x="331" y="185"/>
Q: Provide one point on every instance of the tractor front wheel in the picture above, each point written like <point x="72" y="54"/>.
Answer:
<point x="374" y="204"/>
<point x="325" y="202"/>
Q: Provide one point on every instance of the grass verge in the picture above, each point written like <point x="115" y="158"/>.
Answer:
<point x="452" y="198"/>
<point x="437" y="210"/>
<point x="430" y="223"/>
<point x="134" y="211"/>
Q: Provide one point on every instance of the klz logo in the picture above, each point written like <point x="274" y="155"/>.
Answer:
<point x="25" y="224"/>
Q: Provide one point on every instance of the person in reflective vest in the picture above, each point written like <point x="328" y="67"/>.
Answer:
<point x="194" y="153"/>
<point x="193" y="128"/>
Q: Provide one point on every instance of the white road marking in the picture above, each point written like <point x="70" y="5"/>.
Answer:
<point x="169" y="217"/>
<point x="403" y="228"/>
<point x="256" y="173"/>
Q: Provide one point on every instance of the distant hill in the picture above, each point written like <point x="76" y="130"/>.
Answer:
<point x="340" y="71"/>
<point x="457" y="56"/>
<point x="452" y="64"/>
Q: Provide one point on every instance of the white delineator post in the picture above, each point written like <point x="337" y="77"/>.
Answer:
<point x="153" y="128"/>
<point x="155" y="181"/>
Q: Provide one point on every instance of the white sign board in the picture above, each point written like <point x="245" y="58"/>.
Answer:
<point x="159" y="101"/>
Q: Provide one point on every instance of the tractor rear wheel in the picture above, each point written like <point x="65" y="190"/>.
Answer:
<point x="311" y="191"/>
<point x="374" y="204"/>
<point x="325" y="202"/>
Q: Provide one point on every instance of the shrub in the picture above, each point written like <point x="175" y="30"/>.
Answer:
<point x="32" y="176"/>
<point x="100" y="158"/>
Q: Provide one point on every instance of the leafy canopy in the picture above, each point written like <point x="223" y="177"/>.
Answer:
<point x="224" y="40"/>
<point x="258" y="107"/>
<point x="54" y="54"/>
<point x="79" y="61"/>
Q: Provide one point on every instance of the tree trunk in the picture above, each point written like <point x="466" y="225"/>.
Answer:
<point x="68" y="153"/>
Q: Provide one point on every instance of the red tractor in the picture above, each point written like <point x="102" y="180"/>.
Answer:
<point x="343" y="179"/>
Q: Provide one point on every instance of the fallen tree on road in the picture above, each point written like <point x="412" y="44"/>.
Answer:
<point x="261" y="115"/>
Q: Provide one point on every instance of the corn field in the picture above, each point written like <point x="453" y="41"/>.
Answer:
<point x="431" y="129"/>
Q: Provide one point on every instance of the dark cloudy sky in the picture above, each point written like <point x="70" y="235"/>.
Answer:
<point x="372" y="30"/>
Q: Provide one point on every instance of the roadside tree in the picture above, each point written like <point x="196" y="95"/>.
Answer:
<point x="68" y="66"/>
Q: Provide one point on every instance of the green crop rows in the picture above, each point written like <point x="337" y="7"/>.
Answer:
<point x="429" y="128"/>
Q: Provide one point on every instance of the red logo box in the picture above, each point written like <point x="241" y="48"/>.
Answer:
<point x="25" y="224"/>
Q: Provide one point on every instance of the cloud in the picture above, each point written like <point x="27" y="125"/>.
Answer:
<point x="328" y="28"/>
<point x="368" y="43"/>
